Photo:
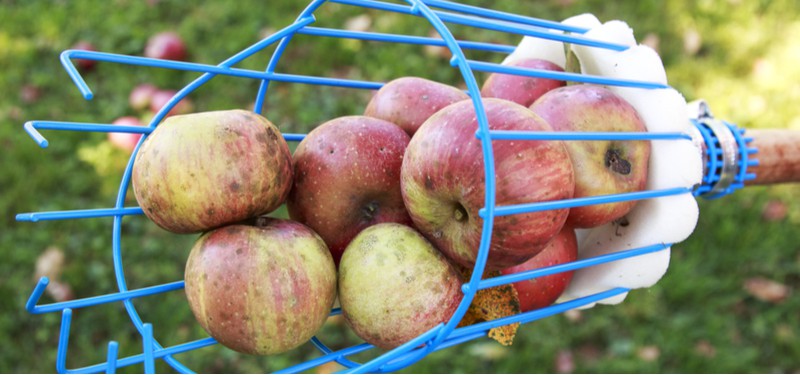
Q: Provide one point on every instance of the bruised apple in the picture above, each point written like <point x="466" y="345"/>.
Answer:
<point x="261" y="289"/>
<point x="394" y="285"/>
<point x="409" y="101"/>
<point x="444" y="183"/>
<point x="522" y="90"/>
<point x="543" y="291"/>
<point x="200" y="171"/>
<point x="347" y="177"/>
<point x="601" y="167"/>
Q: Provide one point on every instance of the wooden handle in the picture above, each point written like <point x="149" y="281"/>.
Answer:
<point x="778" y="156"/>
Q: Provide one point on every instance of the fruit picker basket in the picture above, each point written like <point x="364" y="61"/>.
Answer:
<point x="690" y="154"/>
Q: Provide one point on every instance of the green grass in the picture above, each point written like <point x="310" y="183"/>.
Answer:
<point x="698" y="317"/>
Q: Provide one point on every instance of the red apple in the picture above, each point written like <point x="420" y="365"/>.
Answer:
<point x="409" y="101"/>
<point x="543" y="291"/>
<point x="521" y="89"/>
<point x="160" y="98"/>
<point x="125" y="141"/>
<point x="394" y="285"/>
<point x="166" y="45"/>
<point x="261" y="289"/>
<point x="443" y="183"/>
<point x="83" y="64"/>
<point x="141" y="96"/>
<point x="347" y="177"/>
<point x="601" y="167"/>
<point x="204" y="170"/>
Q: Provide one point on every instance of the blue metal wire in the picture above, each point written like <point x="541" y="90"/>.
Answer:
<point x="439" y="337"/>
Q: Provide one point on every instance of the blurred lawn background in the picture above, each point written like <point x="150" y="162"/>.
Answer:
<point x="728" y="303"/>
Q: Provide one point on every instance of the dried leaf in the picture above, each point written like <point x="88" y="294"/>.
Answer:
<point x="493" y="303"/>
<point x="766" y="290"/>
<point x="49" y="264"/>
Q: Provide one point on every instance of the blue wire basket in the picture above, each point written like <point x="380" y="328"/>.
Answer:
<point x="725" y="171"/>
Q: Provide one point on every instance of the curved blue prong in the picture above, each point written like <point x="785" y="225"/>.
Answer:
<point x="111" y="358"/>
<point x="63" y="341"/>
<point x="66" y="60"/>
<point x="147" y="338"/>
<point x="36" y="295"/>
<point x="38" y="137"/>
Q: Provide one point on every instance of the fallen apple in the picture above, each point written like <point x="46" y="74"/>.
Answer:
<point x="160" y="98"/>
<point x="200" y="171"/>
<point x="347" y="177"/>
<point x="125" y="141"/>
<point x="141" y="96"/>
<point x="601" y="167"/>
<point x="166" y="45"/>
<point x="85" y="65"/>
<point x="444" y="185"/>
<point x="521" y="89"/>
<point x="394" y="285"/>
<point x="543" y="291"/>
<point x="409" y="101"/>
<point x="261" y="289"/>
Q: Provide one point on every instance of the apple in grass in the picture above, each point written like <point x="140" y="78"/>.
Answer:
<point x="409" y="101"/>
<point x="84" y="64"/>
<point x="166" y="45"/>
<point x="261" y="288"/>
<point x="443" y="183"/>
<point x="160" y="98"/>
<point x="141" y="96"/>
<point x="601" y="167"/>
<point x="203" y="170"/>
<point x="543" y="291"/>
<point x="125" y="141"/>
<point x="522" y="90"/>
<point x="347" y="178"/>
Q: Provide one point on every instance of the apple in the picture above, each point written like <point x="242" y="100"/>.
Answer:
<point x="521" y="89"/>
<point x="125" y="141"/>
<point x="141" y="96"/>
<point x="261" y="289"/>
<point x="166" y="45"/>
<point x="84" y="64"/>
<point x="444" y="186"/>
<point x="601" y="167"/>
<point x="409" y="101"/>
<point x="160" y="98"/>
<point x="394" y="285"/>
<point x="543" y="291"/>
<point x="347" y="177"/>
<point x="204" y="170"/>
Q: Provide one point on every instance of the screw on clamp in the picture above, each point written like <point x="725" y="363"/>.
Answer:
<point x="725" y="152"/>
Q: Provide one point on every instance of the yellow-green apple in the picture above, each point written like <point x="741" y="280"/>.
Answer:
<point x="125" y="141"/>
<point x="601" y="167"/>
<point x="444" y="183"/>
<point x="347" y="177"/>
<point x="409" y="101"/>
<point x="261" y="289"/>
<point x="521" y="89"/>
<point x="543" y="291"/>
<point x="394" y="285"/>
<point x="203" y="170"/>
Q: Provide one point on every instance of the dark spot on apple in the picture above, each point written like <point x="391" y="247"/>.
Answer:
<point x="428" y="183"/>
<point x="262" y="138"/>
<point x="210" y="212"/>
<point x="460" y="213"/>
<point x="235" y="186"/>
<point x="239" y="251"/>
<point x="616" y="163"/>
<point x="370" y="210"/>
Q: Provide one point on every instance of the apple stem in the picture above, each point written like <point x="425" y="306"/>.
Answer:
<point x="617" y="164"/>
<point x="460" y="213"/>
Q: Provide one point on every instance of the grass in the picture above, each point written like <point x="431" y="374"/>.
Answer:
<point x="699" y="318"/>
